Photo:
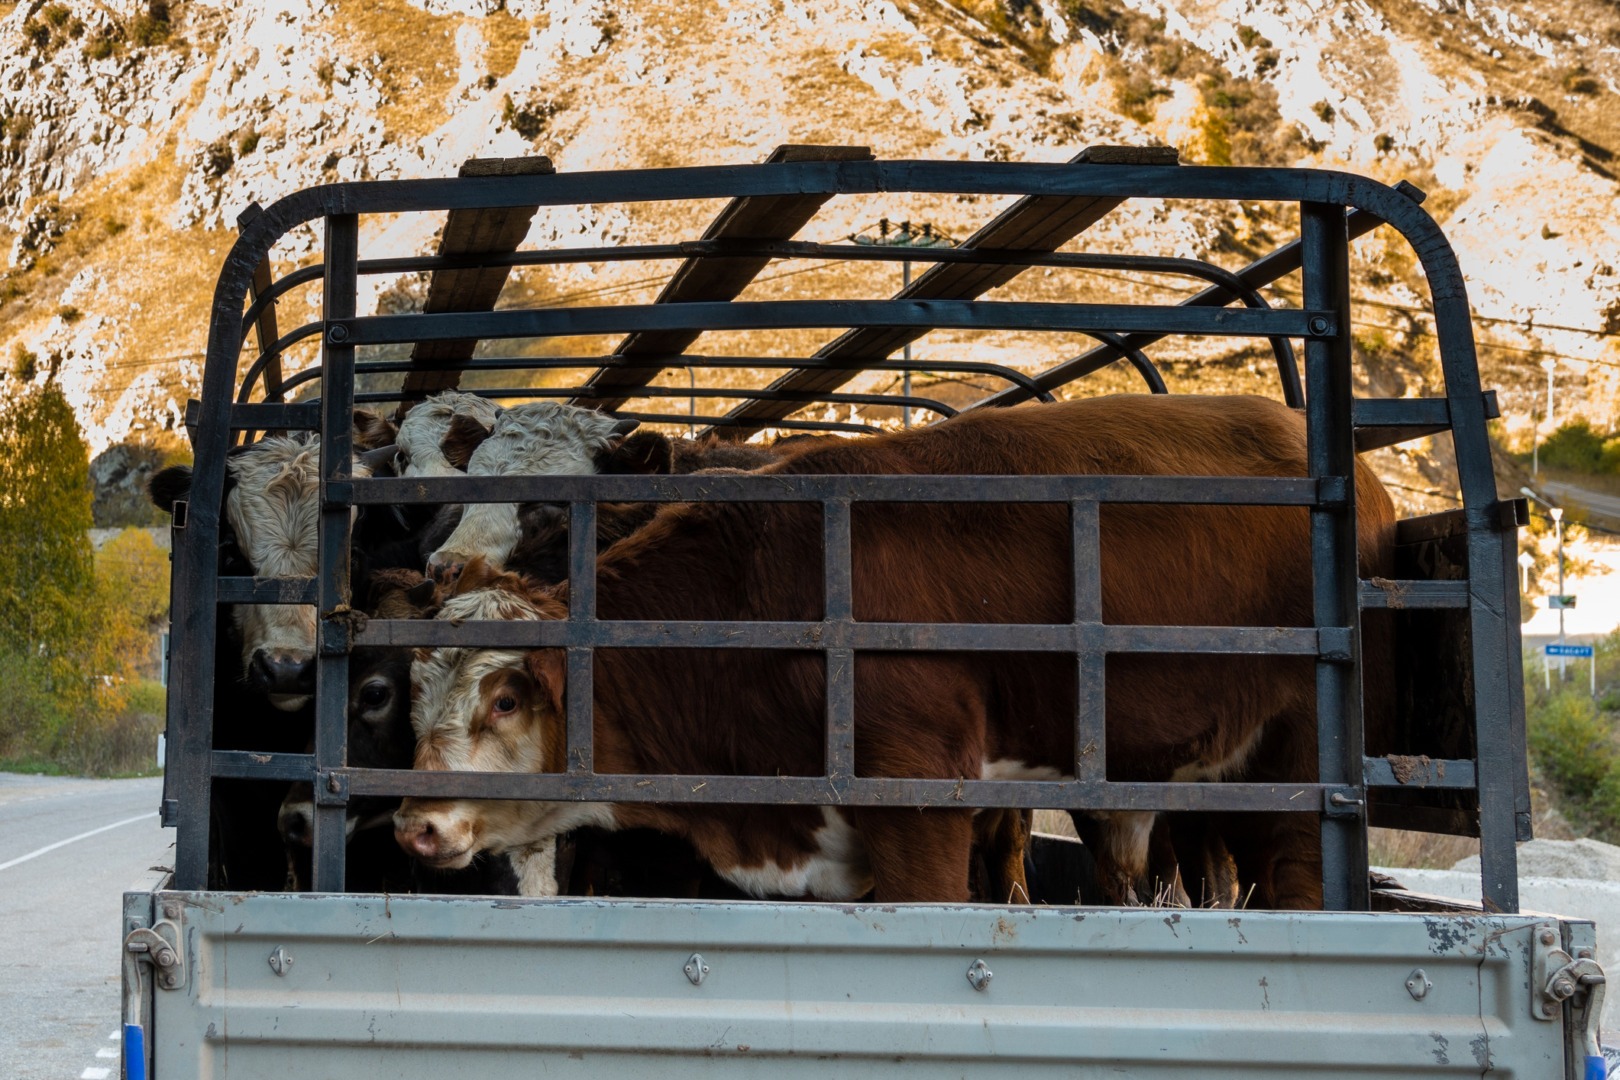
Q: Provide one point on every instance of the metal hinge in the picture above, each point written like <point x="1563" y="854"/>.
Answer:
<point x="1557" y="977"/>
<point x="162" y="946"/>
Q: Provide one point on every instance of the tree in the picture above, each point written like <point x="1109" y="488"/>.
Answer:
<point x="48" y="595"/>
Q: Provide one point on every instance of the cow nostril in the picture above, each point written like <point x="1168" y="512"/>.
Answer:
<point x="419" y="839"/>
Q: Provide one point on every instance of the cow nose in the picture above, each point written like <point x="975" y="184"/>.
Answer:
<point x="282" y="671"/>
<point x="443" y="569"/>
<point x="418" y="838"/>
<point x="295" y="827"/>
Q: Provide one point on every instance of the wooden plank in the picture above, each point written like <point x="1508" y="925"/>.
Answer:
<point x="490" y="231"/>
<point x="1037" y="223"/>
<point x="777" y="217"/>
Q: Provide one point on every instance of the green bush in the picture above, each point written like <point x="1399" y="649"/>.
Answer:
<point x="1572" y="744"/>
<point x="1574" y="446"/>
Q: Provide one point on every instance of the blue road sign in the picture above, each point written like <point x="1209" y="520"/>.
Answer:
<point x="1568" y="650"/>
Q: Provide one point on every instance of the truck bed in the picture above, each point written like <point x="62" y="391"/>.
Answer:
<point x="427" y="987"/>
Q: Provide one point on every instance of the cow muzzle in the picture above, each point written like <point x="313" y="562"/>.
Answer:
<point x="439" y="839"/>
<point x="286" y="676"/>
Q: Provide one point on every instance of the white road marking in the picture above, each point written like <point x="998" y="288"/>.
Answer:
<point x="95" y="1074"/>
<point x="114" y="1036"/>
<point x="75" y="839"/>
<point x="106" y="1052"/>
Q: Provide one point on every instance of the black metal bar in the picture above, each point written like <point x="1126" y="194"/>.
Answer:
<point x="273" y="355"/>
<point x="277" y="416"/>
<point x="580" y="701"/>
<point x="806" y="314"/>
<point x="332" y="585"/>
<point x="1239" y="490"/>
<point x="1397" y="595"/>
<point x="1091" y="715"/>
<point x="685" y="360"/>
<point x="838" y="616"/>
<point x="249" y="765"/>
<point x="245" y="590"/>
<point x="886" y="637"/>
<point x="1262" y="272"/>
<point x="1331" y="453"/>
<point x="1418" y="772"/>
<point x="708" y="392"/>
<point x="857" y="791"/>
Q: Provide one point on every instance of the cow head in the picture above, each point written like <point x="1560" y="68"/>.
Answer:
<point x="538" y="439"/>
<point x="438" y="436"/>
<point x="489" y="710"/>
<point x="272" y="510"/>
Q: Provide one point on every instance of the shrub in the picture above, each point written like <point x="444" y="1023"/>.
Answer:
<point x="1573" y="745"/>
<point x="147" y="31"/>
<point x="248" y="143"/>
<point x="1574" y="446"/>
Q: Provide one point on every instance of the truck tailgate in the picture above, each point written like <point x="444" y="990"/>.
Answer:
<point x="408" y="987"/>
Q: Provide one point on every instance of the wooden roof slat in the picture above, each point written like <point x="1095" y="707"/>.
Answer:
<point x="1036" y="223"/>
<point x="774" y="217"/>
<point x="489" y="231"/>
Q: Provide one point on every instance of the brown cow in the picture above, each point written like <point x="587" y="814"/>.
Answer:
<point x="951" y="715"/>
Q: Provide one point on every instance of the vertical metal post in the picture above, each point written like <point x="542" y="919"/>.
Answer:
<point x="1335" y="570"/>
<point x="580" y="698"/>
<point x="905" y="376"/>
<point x="332" y="586"/>
<point x="838" y="612"/>
<point x="1090" y="719"/>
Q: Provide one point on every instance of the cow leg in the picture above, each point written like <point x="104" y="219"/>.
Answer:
<point x="1000" y="838"/>
<point x="1118" y="841"/>
<point x="1207" y="868"/>
<point x="536" y="868"/>
<point x="917" y="855"/>
<point x="1164" y="882"/>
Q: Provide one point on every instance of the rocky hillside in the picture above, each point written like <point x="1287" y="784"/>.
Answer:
<point x="133" y="133"/>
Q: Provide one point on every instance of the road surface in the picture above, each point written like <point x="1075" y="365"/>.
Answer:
<point x="1606" y="508"/>
<point x="68" y="850"/>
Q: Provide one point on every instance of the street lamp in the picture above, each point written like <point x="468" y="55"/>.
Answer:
<point x="1526" y="561"/>
<point x="1557" y="514"/>
<point x="1548" y="365"/>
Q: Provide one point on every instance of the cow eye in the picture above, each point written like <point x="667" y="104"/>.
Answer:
<point x="374" y="695"/>
<point x="506" y="703"/>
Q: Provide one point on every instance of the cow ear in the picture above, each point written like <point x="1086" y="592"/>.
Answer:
<point x="646" y="452"/>
<point x="423" y="595"/>
<point x="477" y="574"/>
<point x="169" y="486"/>
<point x="547" y="668"/>
<point x="464" y="435"/>
<point x="372" y="431"/>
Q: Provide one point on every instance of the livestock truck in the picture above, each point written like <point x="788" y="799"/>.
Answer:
<point x="1381" y="981"/>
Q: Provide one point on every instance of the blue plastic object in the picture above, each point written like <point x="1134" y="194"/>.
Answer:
<point x="135" y="1054"/>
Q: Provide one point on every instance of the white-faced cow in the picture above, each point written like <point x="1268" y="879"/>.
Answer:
<point x="937" y="714"/>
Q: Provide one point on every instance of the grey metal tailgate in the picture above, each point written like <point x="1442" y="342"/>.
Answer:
<point x="426" y="987"/>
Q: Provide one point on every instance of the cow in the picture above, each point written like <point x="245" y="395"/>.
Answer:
<point x="425" y="430"/>
<point x="918" y="714"/>
<point x="549" y="439"/>
<point x="272" y="509"/>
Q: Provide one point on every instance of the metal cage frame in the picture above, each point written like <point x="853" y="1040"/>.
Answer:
<point x="1334" y="208"/>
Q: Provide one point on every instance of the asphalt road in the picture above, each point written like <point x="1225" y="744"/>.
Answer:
<point x="1599" y="505"/>
<point x="68" y="850"/>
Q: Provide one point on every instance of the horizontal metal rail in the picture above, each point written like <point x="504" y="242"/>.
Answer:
<point x="848" y="791"/>
<point x="1327" y="642"/>
<point x="827" y="314"/>
<point x="814" y="488"/>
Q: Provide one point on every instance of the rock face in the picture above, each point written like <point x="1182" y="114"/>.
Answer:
<point x="133" y="133"/>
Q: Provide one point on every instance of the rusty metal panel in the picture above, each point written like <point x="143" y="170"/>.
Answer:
<point x="1034" y="223"/>
<point x="426" y="987"/>
<point x="491" y="230"/>
<point x="715" y="278"/>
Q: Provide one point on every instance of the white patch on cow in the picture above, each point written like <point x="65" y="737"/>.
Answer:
<point x="1010" y="769"/>
<point x="536" y="869"/>
<point x="538" y="439"/>
<point x="1209" y="772"/>
<point x="838" y="870"/>
<point x="421" y="434"/>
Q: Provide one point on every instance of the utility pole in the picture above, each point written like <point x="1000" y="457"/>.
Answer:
<point x="1558" y="523"/>
<point x="925" y="236"/>
<point x="1548" y="365"/>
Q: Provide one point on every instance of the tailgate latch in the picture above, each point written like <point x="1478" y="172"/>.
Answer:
<point x="162" y="946"/>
